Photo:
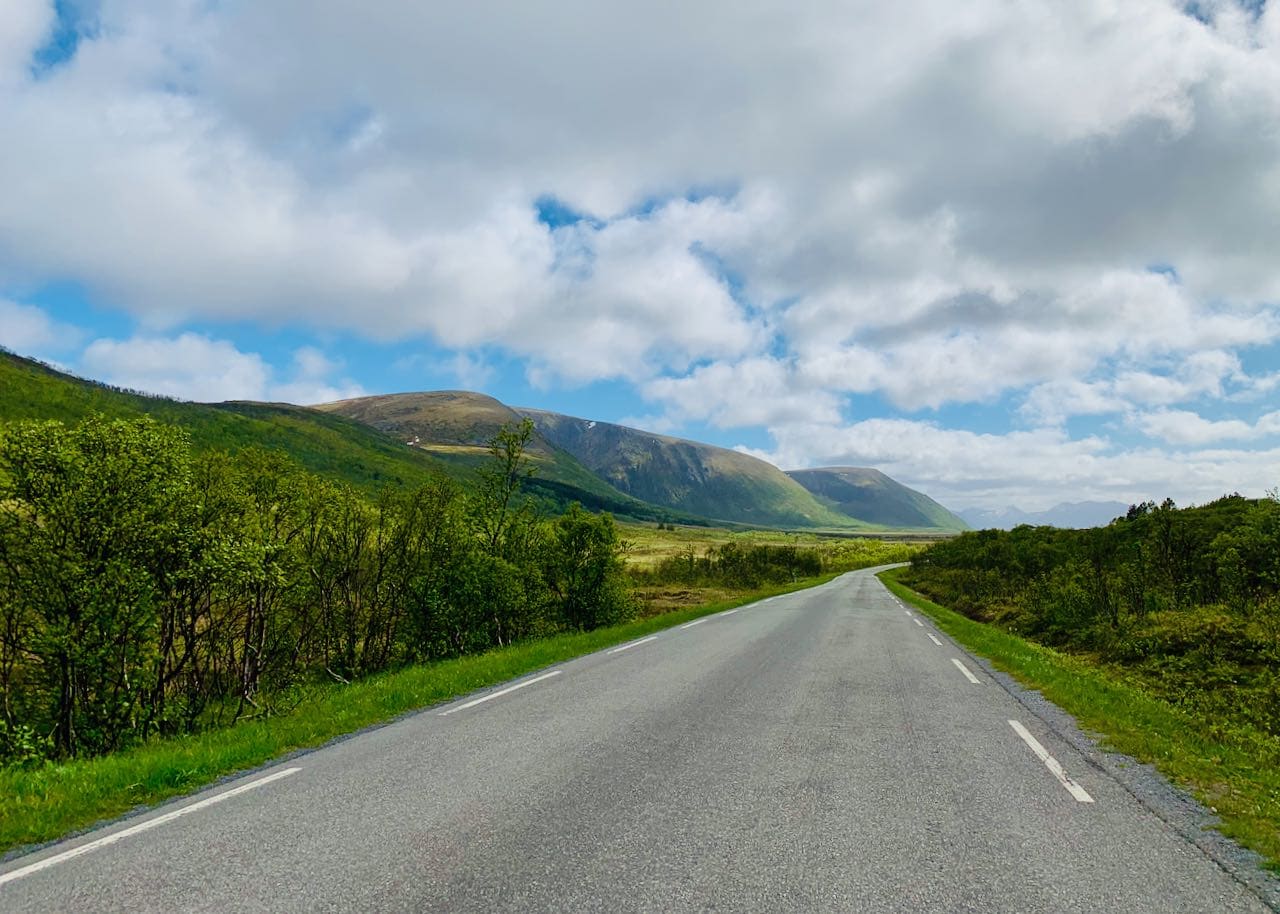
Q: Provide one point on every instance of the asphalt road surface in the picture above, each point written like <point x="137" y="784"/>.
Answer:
<point x="822" y="751"/>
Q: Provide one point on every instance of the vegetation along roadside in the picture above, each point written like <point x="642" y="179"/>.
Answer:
<point x="168" y="616"/>
<point x="1159" y="632"/>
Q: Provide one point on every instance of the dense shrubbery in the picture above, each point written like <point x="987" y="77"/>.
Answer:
<point x="1188" y="600"/>
<point x="148" y="590"/>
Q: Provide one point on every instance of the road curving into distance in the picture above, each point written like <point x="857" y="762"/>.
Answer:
<point x="827" y="750"/>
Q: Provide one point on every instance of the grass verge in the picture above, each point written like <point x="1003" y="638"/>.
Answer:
<point x="1231" y="768"/>
<point x="42" y="804"/>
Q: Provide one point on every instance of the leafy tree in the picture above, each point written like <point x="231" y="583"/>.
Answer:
<point x="499" y="482"/>
<point x="91" y="522"/>
<point x="584" y="570"/>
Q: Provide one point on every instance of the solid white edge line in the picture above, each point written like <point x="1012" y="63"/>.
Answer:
<point x="498" y="694"/>
<point x="694" y="622"/>
<point x="964" y="669"/>
<point x="1081" y="795"/>
<point x="917" y="621"/>
<point x="728" y="612"/>
<point x="141" y="827"/>
<point x="934" y="639"/>
<point x="627" y="647"/>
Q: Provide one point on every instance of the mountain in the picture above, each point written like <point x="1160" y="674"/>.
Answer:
<point x="873" y="497"/>
<point x="1077" y="514"/>
<point x="688" y="476"/>
<point x="410" y="438"/>
<point x="456" y="426"/>
<point x="333" y="446"/>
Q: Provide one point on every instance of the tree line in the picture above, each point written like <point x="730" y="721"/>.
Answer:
<point x="1185" y="599"/>
<point x="149" y="590"/>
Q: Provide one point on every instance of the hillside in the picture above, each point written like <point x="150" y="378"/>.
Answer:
<point x="407" y="438"/>
<point x="688" y="476"/>
<point x="874" y="497"/>
<point x="331" y="445"/>
<point x="455" y="426"/>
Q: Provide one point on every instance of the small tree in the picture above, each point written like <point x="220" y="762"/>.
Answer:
<point x="584" y="570"/>
<point x="499" y="484"/>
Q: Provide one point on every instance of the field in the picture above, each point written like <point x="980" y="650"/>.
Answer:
<point x="659" y="590"/>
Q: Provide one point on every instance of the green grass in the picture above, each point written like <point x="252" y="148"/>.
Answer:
<point x="1228" y="766"/>
<point x="49" y="802"/>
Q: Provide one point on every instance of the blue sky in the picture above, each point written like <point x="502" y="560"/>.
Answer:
<point x="1009" y="254"/>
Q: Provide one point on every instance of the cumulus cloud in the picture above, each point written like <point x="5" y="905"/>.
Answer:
<point x="1034" y="469"/>
<point x="1067" y="207"/>
<point x="29" y="330"/>
<point x="1213" y="373"/>
<point x="759" y="391"/>
<point x="195" y="367"/>
<point x="1183" y="427"/>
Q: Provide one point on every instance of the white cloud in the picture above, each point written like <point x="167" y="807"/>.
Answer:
<point x="1212" y="373"/>
<point x="195" y="367"/>
<point x="23" y="26"/>
<point x="1182" y="427"/>
<point x="28" y="330"/>
<point x="931" y="203"/>
<point x="189" y="367"/>
<point x="1033" y="469"/>
<point x="760" y="391"/>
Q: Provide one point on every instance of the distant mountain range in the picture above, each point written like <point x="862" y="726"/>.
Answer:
<point x="1076" y="514"/>
<point x="688" y="478"/>
<point x="408" y="438"/>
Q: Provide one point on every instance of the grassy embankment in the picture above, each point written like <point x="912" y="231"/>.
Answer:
<point x="1232" y="768"/>
<point x="41" y="804"/>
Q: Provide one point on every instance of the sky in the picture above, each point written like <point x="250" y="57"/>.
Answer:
<point x="1010" y="253"/>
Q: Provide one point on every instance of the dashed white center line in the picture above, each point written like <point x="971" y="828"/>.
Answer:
<point x="917" y="621"/>
<point x="934" y="640"/>
<point x="693" y="623"/>
<point x="630" y="645"/>
<point x="498" y="694"/>
<point x="112" y="838"/>
<point x="1081" y="795"/>
<point x="964" y="669"/>
<point x="728" y="612"/>
<point x="908" y="612"/>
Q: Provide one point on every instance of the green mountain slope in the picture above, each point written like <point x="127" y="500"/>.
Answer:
<point x="688" y="476"/>
<point x="876" y="498"/>
<point x="455" y="426"/>
<point x="407" y="438"/>
<point x="331" y="445"/>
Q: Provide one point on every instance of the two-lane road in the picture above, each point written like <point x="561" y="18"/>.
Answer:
<point x="822" y="751"/>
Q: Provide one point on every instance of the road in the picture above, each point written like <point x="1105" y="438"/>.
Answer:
<point x="822" y="751"/>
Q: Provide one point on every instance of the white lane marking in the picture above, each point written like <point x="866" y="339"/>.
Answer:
<point x="964" y="669"/>
<point x="728" y="612"/>
<point x="934" y="640"/>
<point x="141" y="827"/>
<point x="498" y="694"/>
<point x="627" y="647"/>
<point x="908" y="612"/>
<point x="917" y="621"/>
<point x="693" y="623"/>
<point x="1081" y="795"/>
